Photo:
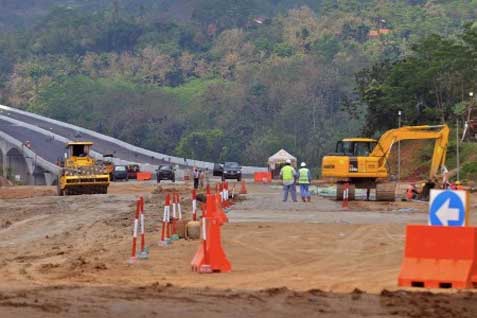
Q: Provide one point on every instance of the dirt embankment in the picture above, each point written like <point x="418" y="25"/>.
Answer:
<point x="165" y="300"/>
<point x="67" y="256"/>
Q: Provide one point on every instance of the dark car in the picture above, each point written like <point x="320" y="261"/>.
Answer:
<point x="232" y="170"/>
<point x="218" y="170"/>
<point x="120" y="173"/>
<point x="166" y="172"/>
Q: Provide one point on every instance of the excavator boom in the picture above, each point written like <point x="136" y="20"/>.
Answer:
<point x="439" y="133"/>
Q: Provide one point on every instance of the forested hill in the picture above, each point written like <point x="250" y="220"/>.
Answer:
<point x="226" y="79"/>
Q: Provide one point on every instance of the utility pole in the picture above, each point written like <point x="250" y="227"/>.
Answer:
<point x="457" y="149"/>
<point x="399" y="149"/>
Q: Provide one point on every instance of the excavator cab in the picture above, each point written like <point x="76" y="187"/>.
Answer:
<point x="354" y="147"/>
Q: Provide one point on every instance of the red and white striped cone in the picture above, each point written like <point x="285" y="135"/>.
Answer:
<point x="205" y="268"/>
<point x="144" y="252"/>
<point x="179" y="208"/>
<point x="221" y="191"/>
<point x="194" y="204"/>
<point x="225" y="201"/>
<point x="226" y="189"/>
<point x="165" y="240"/>
<point x="345" y="196"/>
<point x="174" y="236"/>
<point x="133" y="257"/>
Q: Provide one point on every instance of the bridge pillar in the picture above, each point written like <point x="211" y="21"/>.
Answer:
<point x="18" y="168"/>
<point x="50" y="178"/>
<point x="3" y="170"/>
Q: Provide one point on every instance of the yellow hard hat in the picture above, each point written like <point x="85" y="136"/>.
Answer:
<point x="457" y="182"/>
<point x="423" y="184"/>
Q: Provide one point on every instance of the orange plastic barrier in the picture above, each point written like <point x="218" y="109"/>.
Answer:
<point x="264" y="177"/>
<point x="144" y="176"/>
<point x="439" y="257"/>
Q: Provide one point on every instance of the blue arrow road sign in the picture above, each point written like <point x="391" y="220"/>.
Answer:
<point x="447" y="208"/>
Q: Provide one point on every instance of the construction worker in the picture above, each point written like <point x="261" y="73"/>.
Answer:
<point x="411" y="192"/>
<point x="304" y="180"/>
<point x="458" y="185"/>
<point x="201" y="178"/>
<point x="288" y="174"/>
<point x="196" y="175"/>
<point x="453" y="186"/>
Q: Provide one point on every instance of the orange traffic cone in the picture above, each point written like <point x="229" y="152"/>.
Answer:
<point x="243" y="189"/>
<point x="345" y="203"/>
<point x="165" y="232"/>
<point x="210" y="257"/>
<point x="218" y="212"/>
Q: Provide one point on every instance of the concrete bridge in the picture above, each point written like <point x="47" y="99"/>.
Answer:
<point x="20" y="164"/>
<point x="34" y="162"/>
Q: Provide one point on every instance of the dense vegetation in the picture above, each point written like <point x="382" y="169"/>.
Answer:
<point x="227" y="79"/>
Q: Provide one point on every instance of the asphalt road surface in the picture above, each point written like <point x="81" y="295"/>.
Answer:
<point x="44" y="146"/>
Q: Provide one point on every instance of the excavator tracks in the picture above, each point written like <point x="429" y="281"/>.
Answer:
<point x="386" y="191"/>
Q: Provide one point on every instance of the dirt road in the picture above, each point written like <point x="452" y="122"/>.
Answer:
<point x="67" y="256"/>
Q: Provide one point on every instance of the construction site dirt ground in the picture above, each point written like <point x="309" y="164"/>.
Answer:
<point x="68" y="257"/>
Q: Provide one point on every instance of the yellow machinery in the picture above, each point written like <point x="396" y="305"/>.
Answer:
<point x="81" y="174"/>
<point x="363" y="162"/>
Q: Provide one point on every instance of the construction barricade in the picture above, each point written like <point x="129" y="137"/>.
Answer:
<point x="210" y="257"/>
<point x="144" y="176"/>
<point x="439" y="257"/>
<point x="262" y="177"/>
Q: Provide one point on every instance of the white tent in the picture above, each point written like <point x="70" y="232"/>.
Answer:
<point x="279" y="159"/>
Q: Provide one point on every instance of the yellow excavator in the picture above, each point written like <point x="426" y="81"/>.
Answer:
<point x="363" y="162"/>
<point x="81" y="174"/>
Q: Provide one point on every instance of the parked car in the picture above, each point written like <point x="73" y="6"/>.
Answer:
<point x="218" y="170"/>
<point x="132" y="171"/>
<point x="120" y="172"/>
<point x="232" y="170"/>
<point x="166" y="172"/>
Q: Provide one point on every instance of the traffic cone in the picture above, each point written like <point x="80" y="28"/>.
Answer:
<point x="144" y="253"/>
<point x="243" y="189"/>
<point x="165" y="240"/>
<point x="345" y="203"/>
<point x="194" y="204"/>
<point x="179" y="208"/>
<point x="210" y="257"/>
<point x="219" y="212"/>
<point x="174" y="236"/>
<point x="225" y="202"/>
<point x="133" y="257"/>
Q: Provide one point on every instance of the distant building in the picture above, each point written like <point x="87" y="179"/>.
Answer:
<point x="260" y="20"/>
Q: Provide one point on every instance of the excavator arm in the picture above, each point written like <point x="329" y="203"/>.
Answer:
<point x="439" y="133"/>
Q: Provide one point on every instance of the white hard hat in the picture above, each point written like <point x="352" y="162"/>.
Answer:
<point x="288" y="161"/>
<point x="303" y="164"/>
